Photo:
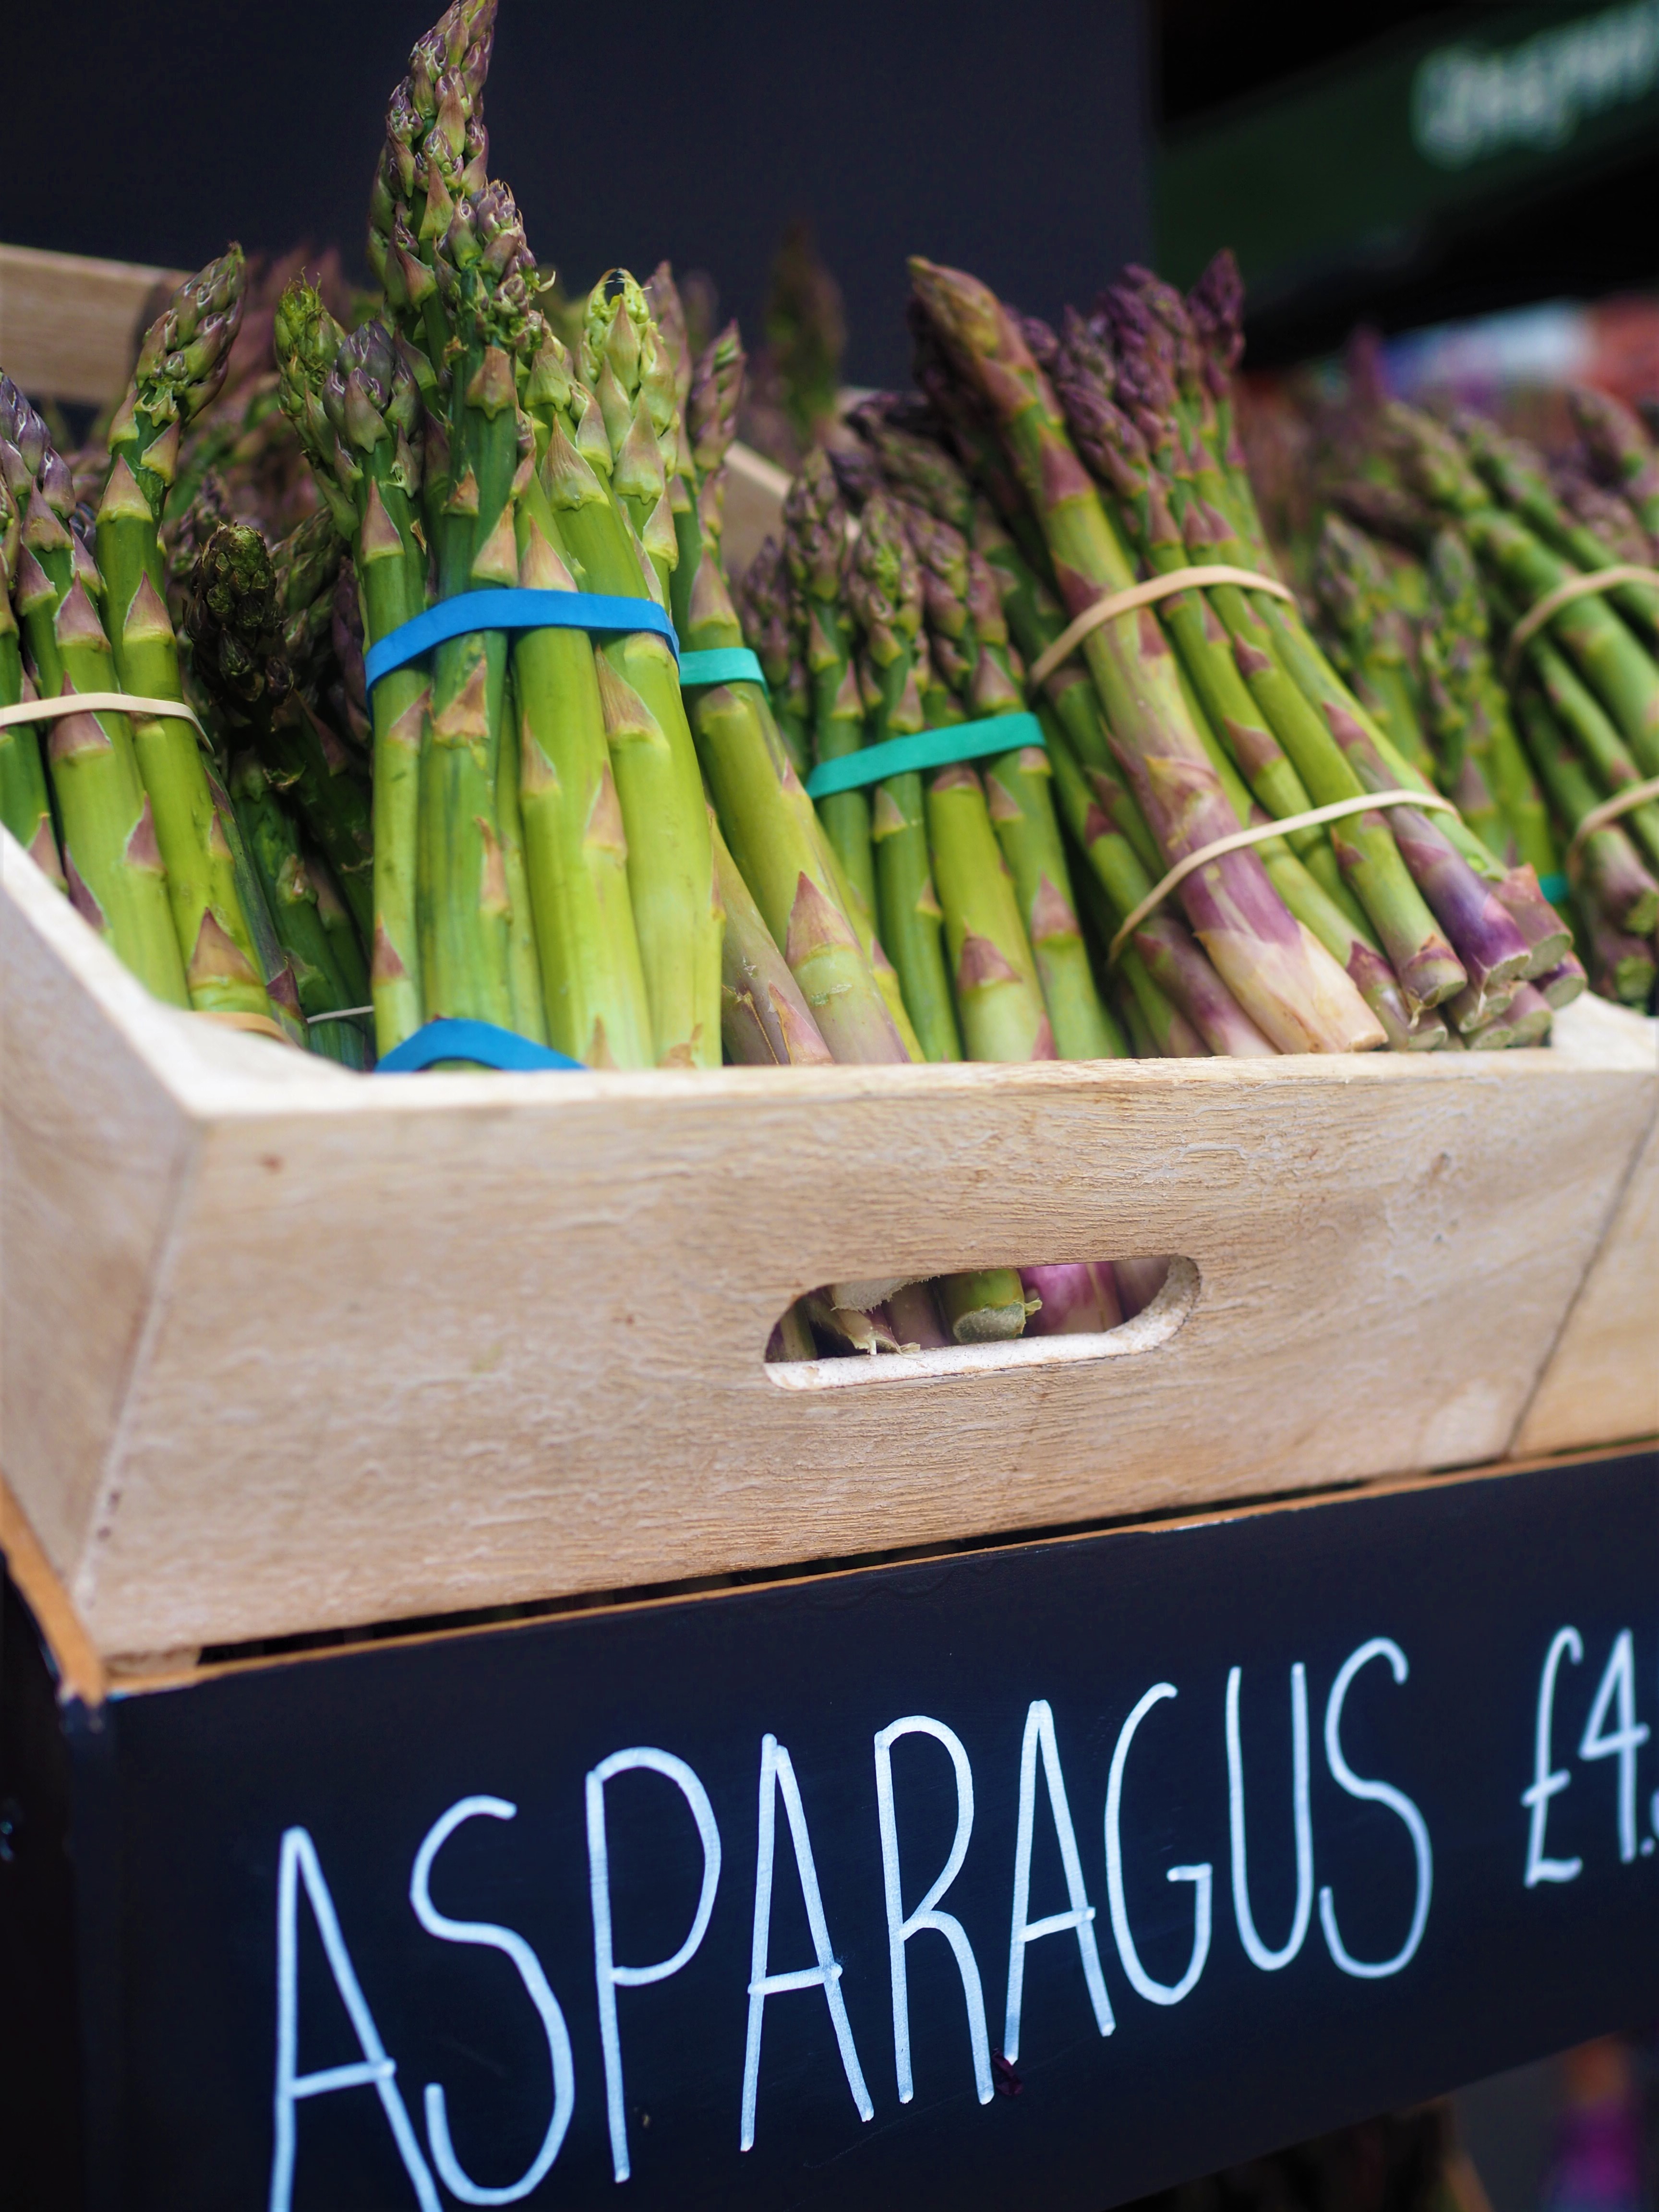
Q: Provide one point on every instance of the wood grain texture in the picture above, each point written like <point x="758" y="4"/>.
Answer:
<point x="393" y="1346"/>
<point x="68" y="325"/>
<point x="1603" y="1378"/>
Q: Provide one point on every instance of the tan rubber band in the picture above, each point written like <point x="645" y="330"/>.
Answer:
<point x="1262" y="833"/>
<point x="1144" y="595"/>
<point x="257" y="1024"/>
<point x="97" y="702"/>
<point x="1576" y="587"/>
<point x="1625" y="802"/>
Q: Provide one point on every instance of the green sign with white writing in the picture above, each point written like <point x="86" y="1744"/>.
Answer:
<point x="1352" y="166"/>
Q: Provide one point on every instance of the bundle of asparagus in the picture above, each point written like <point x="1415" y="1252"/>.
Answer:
<point x="1524" y="608"/>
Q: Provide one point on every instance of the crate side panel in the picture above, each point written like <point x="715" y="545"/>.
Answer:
<point x="1602" y="1383"/>
<point x="91" y="1149"/>
<point x="409" y="1361"/>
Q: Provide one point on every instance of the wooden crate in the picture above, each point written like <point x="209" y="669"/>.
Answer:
<point x="286" y="1347"/>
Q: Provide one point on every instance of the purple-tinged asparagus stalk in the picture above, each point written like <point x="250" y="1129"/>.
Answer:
<point x="1620" y="451"/>
<point x="1077" y="1300"/>
<point x="1564" y="983"/>
<point x="1283" y="978"/>
<point x="1139" y="1282"/>
<point x="1525" y="1020"/>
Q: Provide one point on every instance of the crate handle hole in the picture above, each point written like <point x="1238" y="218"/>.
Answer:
<point x="854" y="1334"/>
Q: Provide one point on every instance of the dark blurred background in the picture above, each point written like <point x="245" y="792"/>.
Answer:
<point x="1041" y="145"/>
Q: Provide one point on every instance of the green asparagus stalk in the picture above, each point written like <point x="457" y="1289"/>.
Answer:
<point x="1351" y="586"/>
<point x="1607" y="869"/>
<point x="1621" y="968"/>
<point x="1518" y="476"/>
<point x="964" y="601"/>
<point x="986" y="1308"/>
<point x="232" y="617"/>
<point x="885" y="596"/>
<point x="25" y="805"/>
<point x="1457" y="592"/>
<point x="465" y="904"/>
<point x="182" y="366"/>
<point x="291" y="896"/>
<point x="768" y="618"/>
<point x="372" y="478"/>
<point x="1620" y="450"/>
<point x="815" y="550"/>
<point x="1581" y="717"/>
<point x="765" y="1020"/>
<point x="112" y="861"/>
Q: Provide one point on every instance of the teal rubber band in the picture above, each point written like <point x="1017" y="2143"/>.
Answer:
<point x="722" y="664"/>
<point x="510" y="610"/>
<point x="1555" y="887"/>
<point x="998" y="733"/>
<point x="483" y="1043"/>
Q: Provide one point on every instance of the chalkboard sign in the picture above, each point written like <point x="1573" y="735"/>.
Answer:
<point x="1048" y="1873"/>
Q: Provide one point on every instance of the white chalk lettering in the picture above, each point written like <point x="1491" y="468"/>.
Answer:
<point x="513" y="1946"/>
<point x="1547" y="1781"/>
<point x="606" y="1973"/>
<point x="777" y="1774"/>
<point x="1302" y="1818"/>
<point x="1201" y="1877"/>
<point x="1626" y="1739"/>
<point x="299" y="1862"/>
<point x="1379" y="1793"/>
<point x="1040" y="1731"/>
<point x="900" y="1928"/>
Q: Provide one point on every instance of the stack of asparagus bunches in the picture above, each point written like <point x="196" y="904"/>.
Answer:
<point x="1440" y="548"/>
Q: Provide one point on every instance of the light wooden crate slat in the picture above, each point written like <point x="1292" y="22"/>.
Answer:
<point x="287" y="1348"/>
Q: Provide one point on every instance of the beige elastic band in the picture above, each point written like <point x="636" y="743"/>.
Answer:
<point x="1262" y="833"/>
<point x="1144" y="595"/>
<point x="258" y="1024"/>
<point x="1576" y="587"/>
<point x="97" y="702"/>
<point x="1625" y="802"/>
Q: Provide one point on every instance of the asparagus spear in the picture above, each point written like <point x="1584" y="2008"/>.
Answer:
<point x="1351" y="586"/>
<point x="373" y="493"/>
<point x="1621" y="450"/>
<point x="1457" y="591"/>
<point x="985" y="1308"/>
<point x="112" y="861"/>
<point x="274" y="843"/>
<point x="1607" y="869"/>
<point x="885" y="596"/>
<point x="1519" y="477"/>
<point x="815" y="523"/>
<point x="25" y="807"/>
<point x="231" y="618"/>
<point x="1621" y="968"/>
<point x="768" y="618"/>
<point x="1287" y="982"/>
<point x="182" y="366"/>
<point x="1097" y="809"/>
<point x="765" y="1020"/>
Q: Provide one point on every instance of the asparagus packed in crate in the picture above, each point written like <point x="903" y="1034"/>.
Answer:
<point x="1043" y="829"/>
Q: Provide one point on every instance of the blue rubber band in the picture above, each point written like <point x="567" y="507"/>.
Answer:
<point x="482" y="1042"/>
<point x="1000" y="733"/>
<point x="510" y="610"/>
<point x="1555" y="887"/>
<point x="723" y="664"/>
